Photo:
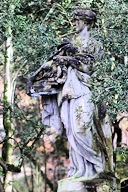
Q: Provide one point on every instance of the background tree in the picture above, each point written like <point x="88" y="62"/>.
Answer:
<point x="33" y="29"/>
<point x="23" y="28"/>
<point x="110" y="83"/>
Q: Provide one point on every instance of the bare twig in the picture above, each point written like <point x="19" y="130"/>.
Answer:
<point x="50" y="11"/>
<point x="122" y="119"/>
<point x="18" y="71"/>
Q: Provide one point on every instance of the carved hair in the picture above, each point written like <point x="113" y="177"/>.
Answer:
<point x="85" y="14"/>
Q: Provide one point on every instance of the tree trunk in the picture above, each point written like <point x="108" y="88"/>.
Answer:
<point x="8" y="105"/>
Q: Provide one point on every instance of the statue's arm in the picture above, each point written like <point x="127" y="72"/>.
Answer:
<point x="82" y="63"/>
<point x="45" y="70"/>
<point x="36" y="77"/>
<point x="46" y="67"/>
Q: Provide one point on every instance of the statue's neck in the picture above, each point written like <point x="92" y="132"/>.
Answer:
<point x="84" y="34"/>
<point x="82" y="38"/>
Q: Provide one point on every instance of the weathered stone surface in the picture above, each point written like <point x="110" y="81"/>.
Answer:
<point x="64" y="83"/>
<point x="71" y="186"/>
<point x="96" y="185"/>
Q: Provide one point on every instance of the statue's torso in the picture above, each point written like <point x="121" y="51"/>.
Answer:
<point x="78" y="82"/>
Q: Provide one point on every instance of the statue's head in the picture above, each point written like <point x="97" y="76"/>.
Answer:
<point x="83" y="16"/>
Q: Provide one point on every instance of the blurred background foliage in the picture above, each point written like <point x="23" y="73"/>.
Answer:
<point x="38" y="26"/>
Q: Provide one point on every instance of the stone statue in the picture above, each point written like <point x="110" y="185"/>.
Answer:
<point x="63" y="81"/>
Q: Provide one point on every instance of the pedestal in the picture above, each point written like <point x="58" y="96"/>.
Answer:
<point x="96" y="185"/>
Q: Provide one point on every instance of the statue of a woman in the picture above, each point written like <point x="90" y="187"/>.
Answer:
<point x="66" y="97"/>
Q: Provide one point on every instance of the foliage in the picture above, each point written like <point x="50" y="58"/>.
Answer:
<point x="34" y="38"/>
<point x="37" y="28"/>
<point x="111" y="81"/>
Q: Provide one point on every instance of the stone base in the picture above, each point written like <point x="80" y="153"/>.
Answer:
<point x="96" y="185"/>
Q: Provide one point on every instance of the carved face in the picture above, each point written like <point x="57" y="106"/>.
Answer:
<point x="79" y="24"/>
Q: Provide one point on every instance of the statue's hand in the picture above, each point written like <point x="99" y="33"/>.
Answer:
<point x="29" y="86"/>
<point x="63" y="60"/>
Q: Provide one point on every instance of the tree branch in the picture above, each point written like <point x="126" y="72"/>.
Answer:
<point x="1" y="187"/>
<point x="122" y="119"/>
<point x="3" y="165"/>
<point x="10" y="167"/>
